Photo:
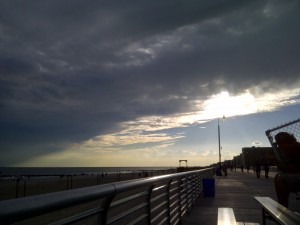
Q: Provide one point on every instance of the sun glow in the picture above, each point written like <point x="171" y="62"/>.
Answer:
<point x="224" y="104"/>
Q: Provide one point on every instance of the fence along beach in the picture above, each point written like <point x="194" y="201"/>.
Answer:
<point x="22" y="182"/>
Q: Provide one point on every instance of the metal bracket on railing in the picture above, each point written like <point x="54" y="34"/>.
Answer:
<point x="150" y="189"/>
<point x="168" y="200"/>
<point x="102" y="219"/>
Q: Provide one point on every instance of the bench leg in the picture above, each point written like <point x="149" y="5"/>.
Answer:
<point x="263" y="216"/>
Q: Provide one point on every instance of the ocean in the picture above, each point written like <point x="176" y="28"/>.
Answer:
<point x="53" y="171"/>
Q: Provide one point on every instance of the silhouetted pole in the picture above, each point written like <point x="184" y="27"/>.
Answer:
<point x="219" y="141"/>
<point x="219" y="138"/>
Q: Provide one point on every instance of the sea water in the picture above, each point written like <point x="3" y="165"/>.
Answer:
<point x="54" y="171"/>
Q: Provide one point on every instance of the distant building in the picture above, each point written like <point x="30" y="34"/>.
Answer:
<point x="237" y="160"/>
<point x="252" y="154"/>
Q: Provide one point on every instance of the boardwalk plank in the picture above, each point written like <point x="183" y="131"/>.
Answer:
<point x="236" y="191"/>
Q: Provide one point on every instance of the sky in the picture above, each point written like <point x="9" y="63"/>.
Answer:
<point x="144" y="83"/>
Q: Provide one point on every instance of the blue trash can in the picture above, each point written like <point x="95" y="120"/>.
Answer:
<point x="208" y="187"/>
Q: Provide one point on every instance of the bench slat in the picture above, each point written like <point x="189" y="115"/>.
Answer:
<point x="226" y="216"/>
<point x="246" y="223"/>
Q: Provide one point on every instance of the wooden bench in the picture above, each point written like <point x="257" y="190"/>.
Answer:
<point x="277" y="212"/>
<point x="226" y="217"/>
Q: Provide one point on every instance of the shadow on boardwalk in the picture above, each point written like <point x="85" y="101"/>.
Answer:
<point x="236" y="191"/>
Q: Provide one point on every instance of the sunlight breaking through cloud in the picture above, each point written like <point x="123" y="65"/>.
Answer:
<point x="138" y="134"/>
<point x="149" y="137"/>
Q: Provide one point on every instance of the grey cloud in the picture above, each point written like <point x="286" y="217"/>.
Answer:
<point x="67" y="71"/>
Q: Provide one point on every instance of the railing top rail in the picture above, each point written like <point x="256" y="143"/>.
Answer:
<point x="22" y="208"/>
<point x="127" y="185"/>
<point x="39" y="204"/>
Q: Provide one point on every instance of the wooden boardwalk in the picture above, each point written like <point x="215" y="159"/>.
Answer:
<point x="236" y="191"/>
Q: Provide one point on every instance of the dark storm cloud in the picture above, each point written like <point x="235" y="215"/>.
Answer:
<point x="70" y="70"/>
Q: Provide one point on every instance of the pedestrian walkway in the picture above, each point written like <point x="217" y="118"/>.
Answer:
<point x="236" y="191"/>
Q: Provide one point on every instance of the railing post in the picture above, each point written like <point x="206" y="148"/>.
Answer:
<point x="194" y="194"/>
<point x="72" y="181"/>
<point x="102" y="220"/>
<point x="187" y="193"/>
<point x="195" y="186"/>
<point x="150" y="189"/>
<point x="168" y="200"/>
<point x="198" y="187"/>
<point x="24" y="188"/>
<point x="200" y="184"/>
<point x="179" y="198"/>
<point x="17" y="188"/>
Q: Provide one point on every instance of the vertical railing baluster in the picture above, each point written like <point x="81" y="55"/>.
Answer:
<point x="187" y="193"/>
<point x="150" y="190"/>
<point x="168" y="200"/>
<point x="179" y="198"/>
<point x="24" y="188"/>
<point x="102" y="218"/>
<point x="17" y="188"/>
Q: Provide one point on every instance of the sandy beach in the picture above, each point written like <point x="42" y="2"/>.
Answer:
<point x="14" y="188"/>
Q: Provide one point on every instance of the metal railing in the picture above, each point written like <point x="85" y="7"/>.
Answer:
<point x="162" y="199"/>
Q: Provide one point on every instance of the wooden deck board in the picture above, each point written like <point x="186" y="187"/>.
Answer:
<point x="236" y="191"/>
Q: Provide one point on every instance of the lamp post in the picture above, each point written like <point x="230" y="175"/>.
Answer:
<point x="219" y="138"/>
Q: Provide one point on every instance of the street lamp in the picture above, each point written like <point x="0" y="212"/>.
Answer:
<point x="219" y="138"/>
